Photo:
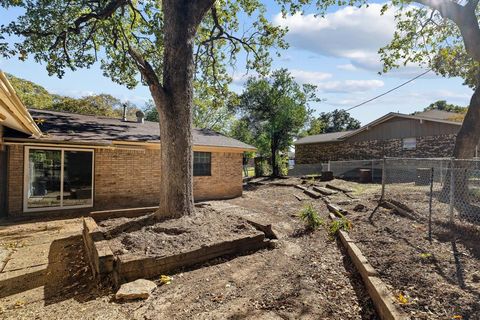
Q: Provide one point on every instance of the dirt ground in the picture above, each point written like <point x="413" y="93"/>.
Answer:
<point x="438" y="279"/>
<point x="205" y="227"/>
<point x="306" y="277"/>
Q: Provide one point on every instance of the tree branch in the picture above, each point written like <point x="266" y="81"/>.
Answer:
<point x="464" y="17"/>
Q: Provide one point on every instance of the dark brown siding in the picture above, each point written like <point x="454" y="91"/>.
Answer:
<point x="398" y="128"/>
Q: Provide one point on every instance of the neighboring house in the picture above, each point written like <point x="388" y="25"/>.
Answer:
<point x="64" y="161"/>
<point x="427" y="134"/>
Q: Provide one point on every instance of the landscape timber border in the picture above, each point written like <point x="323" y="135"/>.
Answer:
<point x="105" y="264"/>
<point x="381" y="296"/>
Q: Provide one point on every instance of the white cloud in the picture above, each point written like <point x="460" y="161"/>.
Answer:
<point x="351" y="33"/>
<point x="349" y="86"/>
<point x="347" y="67"/>
<point x="311" y="77"/>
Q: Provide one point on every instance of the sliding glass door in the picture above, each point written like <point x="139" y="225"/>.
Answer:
<point x="58" y="178"/>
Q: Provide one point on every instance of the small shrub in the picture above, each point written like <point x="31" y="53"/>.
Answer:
<point x="340" y="224"/>
<point x="310" y="217"/>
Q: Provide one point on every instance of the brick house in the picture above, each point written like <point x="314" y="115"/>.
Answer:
<point x="429" y="134"/>
<point x="54" y="161"/>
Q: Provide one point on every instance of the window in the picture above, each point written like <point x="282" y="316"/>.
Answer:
<point x="202" y="164"/>
<point x="58" y="178"/>
<point x="409" y="143"/>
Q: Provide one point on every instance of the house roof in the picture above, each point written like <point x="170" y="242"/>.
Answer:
<point x="13" y="113"/>
<point x="324" y="137"/>
<point x="437" y="114"/>
<point x="338" y="136"/>
<point x="88" y="129"/>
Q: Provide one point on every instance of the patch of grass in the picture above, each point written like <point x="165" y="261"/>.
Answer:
<point x="310" y="217"/>
<point x="342" y="224"/>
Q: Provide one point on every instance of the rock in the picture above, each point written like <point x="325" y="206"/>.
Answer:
<point x="138" y="289"/>
<point x="360" y="208"/>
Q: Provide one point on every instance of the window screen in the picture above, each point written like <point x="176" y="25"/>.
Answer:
<point x="202" y="164"/>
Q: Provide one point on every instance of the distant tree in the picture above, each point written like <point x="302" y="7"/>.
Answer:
<point x="209" y="112"/>
<point x="31" y="94"/>
<point x="37" y="97"/>
<point x="274" y="109"/>
<point x="444" y="106"/>
<point x="151" y="113"/>
<point x="335" y="121"/>
<point x="315" y="126"/>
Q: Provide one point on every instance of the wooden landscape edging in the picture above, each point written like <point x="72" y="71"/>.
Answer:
<point x="100" y="256"/>
<point x="122" y="268"/>
<point x="119" y="213"/>
<point x="131" y="267"/>
<point x="379" y="293"/>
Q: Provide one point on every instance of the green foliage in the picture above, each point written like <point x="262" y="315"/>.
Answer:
<point x="31" y="94"/>
<point x="272" y="112"/>
<point x="316" y="126"/>
<point x="341" y="224"/>
<point x="426" y="37"/>
<point x="37" y="97"/>
<point x="74" y="35"/>
<point x="262" y="168"/>
<point x="310" y="217"/>
<point x="444" y="106"/>
<point x="338" y="120"/>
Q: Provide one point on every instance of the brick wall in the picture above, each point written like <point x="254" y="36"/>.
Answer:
<point x="226" y="179"/>
<point x="129" y="178"/>
<point x="427" y="147"/>
<point x="15" y="179"/>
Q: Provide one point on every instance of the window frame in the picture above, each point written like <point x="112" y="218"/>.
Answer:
<point x="411" y="139"/>
<point x="209" y="163"/>
<point x="26" y="161"/>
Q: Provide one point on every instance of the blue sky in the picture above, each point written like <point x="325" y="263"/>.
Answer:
<point x="337" y="53"/>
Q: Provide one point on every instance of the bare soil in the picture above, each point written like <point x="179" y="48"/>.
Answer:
<point x="439" y="279"/>
<point x="306" y="277"/>
<point x="205" y="227"/>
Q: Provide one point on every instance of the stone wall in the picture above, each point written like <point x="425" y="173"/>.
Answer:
<point x="130" y="178"/>
<point x="427" y="147"/>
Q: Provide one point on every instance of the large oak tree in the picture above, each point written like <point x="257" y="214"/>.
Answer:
<point x="169" y="43"/>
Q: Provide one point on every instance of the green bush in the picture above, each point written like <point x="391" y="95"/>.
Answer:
<point x="310" y="217"/>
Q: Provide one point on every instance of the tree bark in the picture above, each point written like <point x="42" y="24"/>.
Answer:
<point x="275" y="171"/>
<point x="469" y="134"/>
<point x="174" y="104"/>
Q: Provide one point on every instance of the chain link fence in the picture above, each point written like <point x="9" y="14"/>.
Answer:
<point x="361" y="170"/>
<point x="435" y="191"/>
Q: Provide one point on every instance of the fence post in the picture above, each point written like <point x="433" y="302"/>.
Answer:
<point x="452" y="188"/>
<point x="328" y="166"/>
<point x="372" y="171"/>
<point x="383" y="178"/>
<point x="430" y="206"/>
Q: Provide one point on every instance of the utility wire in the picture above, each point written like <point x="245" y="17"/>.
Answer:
<point x="387" y="92"/>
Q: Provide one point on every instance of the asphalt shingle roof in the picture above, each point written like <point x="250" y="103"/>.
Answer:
<point x="64" y="126"/>
<point x="324" y="137"/>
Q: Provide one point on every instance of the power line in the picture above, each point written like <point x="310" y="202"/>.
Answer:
<point x="387" y="92"/>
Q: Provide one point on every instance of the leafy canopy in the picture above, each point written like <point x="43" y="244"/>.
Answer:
<point x="428" y="33"/>
<point x="37" y="97"/>
<point x="335" y="121"/>
<point x="273" y="110"/>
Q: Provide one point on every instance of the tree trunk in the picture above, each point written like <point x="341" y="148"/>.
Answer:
<point x="469" y="134"/>
<point x="465" y="145"/>
<point x="181" y="19"/>
<point x="275" y="171"/>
